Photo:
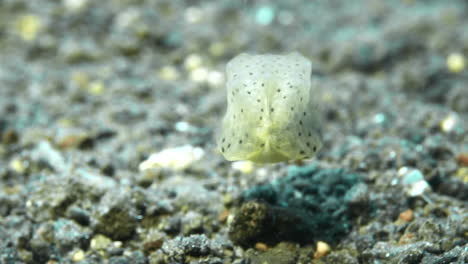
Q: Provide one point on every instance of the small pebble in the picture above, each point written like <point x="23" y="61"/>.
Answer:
<point x="407" y="215"/>
<point x="168" y="73"/>
<point x="78" y="255"/>
<point x="18" y="166"/>
<point x="75" y="5"/>
<point x="100" y="242"/>
<point x="456" y="62"/>
<point x="96" y="88"/>
<point x="462" y="159"/>
<point x="117" y="244"/>
<point x="261" y="246"/>
<point x="379" y="118"/>
<point x="413" y="181"/>
<point x="322" y="250"/>
<point x="192" y="62"/>
<point x="265" y="15"/>
<point x="29" y="26"/>
<point x="217" y="49"/>
<point x="223" y="216"/>
<point x="185" y="127"/>
<point x="199" y="75"/>
<point x="245" y="167"/>
<point x="71" y="140"/>
<point x="193" y="15"/>
<point x="215" y="78"/>
<point x="448" y="123"/>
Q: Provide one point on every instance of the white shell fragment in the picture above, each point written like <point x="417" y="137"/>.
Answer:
<point x="413" y="182"/>
<point x="243" y="166"/>
<point x="178" y="158"/>
<point x="272" y="114"/>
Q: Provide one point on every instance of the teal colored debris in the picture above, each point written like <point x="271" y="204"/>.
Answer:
<point x="307" y="205"/>
<point x="265" y="15"/>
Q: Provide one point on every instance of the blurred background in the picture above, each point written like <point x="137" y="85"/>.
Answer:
<point x="89" y="90"/>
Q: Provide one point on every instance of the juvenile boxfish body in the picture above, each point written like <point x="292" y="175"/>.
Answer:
<point x="272" y="114"/>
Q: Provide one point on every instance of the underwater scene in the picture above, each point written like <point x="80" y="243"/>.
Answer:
<point x="234" y="132"/>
